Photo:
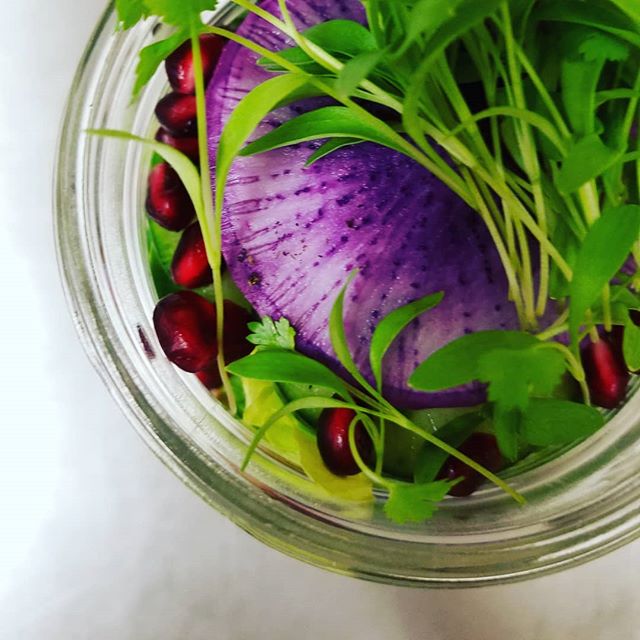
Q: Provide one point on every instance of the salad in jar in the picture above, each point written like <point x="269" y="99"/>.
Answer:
<point x="399" y="239"/>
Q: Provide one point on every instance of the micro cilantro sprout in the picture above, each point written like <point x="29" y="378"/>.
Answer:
<point x="528" y="112"/>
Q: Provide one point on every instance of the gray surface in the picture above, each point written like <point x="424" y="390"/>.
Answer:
<point x="97" y="539"/>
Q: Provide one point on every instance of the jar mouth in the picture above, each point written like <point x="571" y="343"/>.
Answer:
<point x="581" y="504"/>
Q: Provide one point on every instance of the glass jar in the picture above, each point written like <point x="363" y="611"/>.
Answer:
<point x="581" y="504"/>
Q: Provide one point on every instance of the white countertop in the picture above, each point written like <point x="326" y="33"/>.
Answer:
<point x="97" y="539"/>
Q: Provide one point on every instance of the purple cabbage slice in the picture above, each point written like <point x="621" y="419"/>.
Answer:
<point x="291" y="235"/>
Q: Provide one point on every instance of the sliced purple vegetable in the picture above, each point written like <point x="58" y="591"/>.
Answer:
<point x="291" y="234"/>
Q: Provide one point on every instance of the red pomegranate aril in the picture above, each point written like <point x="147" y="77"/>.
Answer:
<point x="186" y="327"/>
<point x="236" y="345"/>
<point x="188" y="146"/>
<point x="606" y="371"/>
<point x="210" y="377"/>
<point x="178" y="114"/>
<point x="168" y="202"/>
<point x="190" y="267"/>
<point x="333" y="442"/>
<point x="483" y="449"/>
<point x="179" y="65"/>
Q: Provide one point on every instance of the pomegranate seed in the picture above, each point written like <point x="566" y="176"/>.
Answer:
<point x="186" y="326"/>
<point x="178" y="114"/>
<point x="210" y="377"/>
<point x="190" y="267"/>
<point x="168" y="202"/>
<point x="333" y="442"/>
<point x="179" y="65"/>
<point x="606" y="372"/>
<point x="236" y="345"/>
<point x="481" y="447"/>
<point x="188" y="146"/>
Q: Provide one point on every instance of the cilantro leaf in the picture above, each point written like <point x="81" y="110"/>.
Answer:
<point x="414" y="502"/>
<point x="514" y="375"/>
<point x="599" y="46"/>
<point x="550" y="421"/>
<point x="152" y="56"/>
<point x="130" y="12"/>
<point x="457" y="362"/>
<point x="270" y="333"/>
<point x="181" y="13"/>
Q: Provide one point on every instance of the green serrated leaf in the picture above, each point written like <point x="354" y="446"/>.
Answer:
<point x="390" y="327"/>
<point x="329" y="147"/>
<point x="267" y="333"/>
<point x="550" y="421"/>
<point x="280" y="365"/>
<point x="181" y="13"/>
<point x="326" y="122"/>
<point x="414" y="502"/>
<point x="513" y="375"/>
<point x="587" y="159"/>
<point x="130" y="12"/>
<point x="152" y="56"/>
<point x="603" y="252"/>
<point x="457" y="362"/>
<point x="631" y="344"/>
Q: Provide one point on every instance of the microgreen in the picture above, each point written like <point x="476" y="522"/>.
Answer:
<point x="602" y="254"/>
<point x="282" y="365"/>
<point x="415" y="502"/>
<point x="272" y="333"/>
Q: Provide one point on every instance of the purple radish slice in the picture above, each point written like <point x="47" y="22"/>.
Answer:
<point x="179" y="65"/>
<point x="168" y="202"/>
<point x="190" y="266"/>
<point x="178" y="114"/>
<point x="291" y="235"/>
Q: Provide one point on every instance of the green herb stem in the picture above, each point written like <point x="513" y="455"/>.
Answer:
<point x="210" y="223"/>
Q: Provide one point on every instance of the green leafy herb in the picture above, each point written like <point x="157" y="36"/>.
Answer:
<point x="550" y="421"/>
<point x="153" y="55"/>
<point x="513" y="375"/>
<point x="329" y="147"/>
<point x="390" y="327"/>
<point x="601" y="255"/>
<point x="631" y="344"/>
<point x="270" y="333"/>
<point x="415" y="502"/>
<point x="130" y="12"/>
<point x="327" y="122"/>
<point x="280" y="365"/>
<point x="458" y="362"/>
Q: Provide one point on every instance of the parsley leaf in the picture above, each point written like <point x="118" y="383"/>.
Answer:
<point x="514" y="375"/>
<point x="152" y="56"/>
<point x="414" y="502"/>
<point x="181" y="13"/>
<point x="270" y="333"/>
<point x="130" y="12"/>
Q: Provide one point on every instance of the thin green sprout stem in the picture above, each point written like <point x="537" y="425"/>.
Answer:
<point x="212" y="237"/>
